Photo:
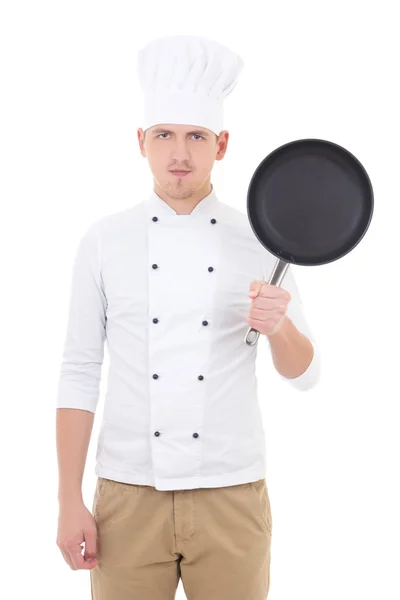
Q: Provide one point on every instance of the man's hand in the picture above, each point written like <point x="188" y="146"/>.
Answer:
<point x="268" y="308"/>
<point x="75" y="526"/>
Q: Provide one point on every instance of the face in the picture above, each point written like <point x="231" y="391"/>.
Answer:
<point x="192" y="149"/>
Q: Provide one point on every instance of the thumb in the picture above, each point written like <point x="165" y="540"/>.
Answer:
<point x="255" y="287"/>
<point x="90" y="544"/>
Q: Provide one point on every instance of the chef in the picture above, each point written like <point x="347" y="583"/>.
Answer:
<point x="172" y="284"/>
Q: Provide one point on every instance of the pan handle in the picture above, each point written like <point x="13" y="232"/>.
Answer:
<point x="277" y="275"/>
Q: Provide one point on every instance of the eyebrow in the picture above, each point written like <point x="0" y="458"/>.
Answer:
<point x="195" y="132"/>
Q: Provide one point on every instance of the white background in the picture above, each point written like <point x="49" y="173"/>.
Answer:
<point x="70" y="108"/>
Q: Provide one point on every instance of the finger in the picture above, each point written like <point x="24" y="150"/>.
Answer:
<point x="269" y="303"/>
<point x="67" y="557"/>
<point x="274" y="291"/>
<point x="255" y="287"/>
<point x="265" y="326"/>
<point x="89" y="563"/>
<point x="90" y="537"/>
<point x="263" y="315"/>
<point x="77" y="559"/>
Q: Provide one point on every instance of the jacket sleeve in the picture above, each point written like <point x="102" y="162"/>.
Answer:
<point x="310" y="377"/>
<point x="80" y="373"/>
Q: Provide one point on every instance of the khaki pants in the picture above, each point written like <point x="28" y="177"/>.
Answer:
<point x="217" y="540"/>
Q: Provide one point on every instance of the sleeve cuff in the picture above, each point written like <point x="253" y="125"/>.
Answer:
<point x="70" y="396"/>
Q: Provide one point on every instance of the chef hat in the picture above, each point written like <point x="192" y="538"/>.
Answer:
<point x="185" y="80"/>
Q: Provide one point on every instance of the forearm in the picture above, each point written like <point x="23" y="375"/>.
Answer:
<point x="292" y="352"/>
<point x="73" y="432"/>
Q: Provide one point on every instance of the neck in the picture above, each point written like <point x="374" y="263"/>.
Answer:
<point x="184" y="206"/>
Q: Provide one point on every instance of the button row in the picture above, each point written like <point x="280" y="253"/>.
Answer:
<point x="155" y="266"/>
<point x="157" y="433"/>
<point x="155" y="320"/>
<point x="213" y="221"/>
<point x="156" y="376"/>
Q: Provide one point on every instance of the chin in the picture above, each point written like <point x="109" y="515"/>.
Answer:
<point x="178" y="190"/>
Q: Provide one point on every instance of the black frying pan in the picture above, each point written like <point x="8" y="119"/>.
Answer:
<point x="309" y="202"/>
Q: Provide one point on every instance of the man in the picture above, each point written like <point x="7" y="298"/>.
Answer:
<point x="173" y="283"/>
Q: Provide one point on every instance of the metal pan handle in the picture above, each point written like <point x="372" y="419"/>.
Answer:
<point x="276" y="277"/>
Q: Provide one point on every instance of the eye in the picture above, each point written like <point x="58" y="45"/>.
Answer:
<point x="163" y="134"/>
<point x="197" y="135"/>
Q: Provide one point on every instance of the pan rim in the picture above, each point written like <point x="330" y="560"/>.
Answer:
<point x="321" y="143"/>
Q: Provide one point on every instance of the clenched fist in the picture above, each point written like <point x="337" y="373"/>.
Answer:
<point x="268" y="308"/>
<point x="76" y="526"/>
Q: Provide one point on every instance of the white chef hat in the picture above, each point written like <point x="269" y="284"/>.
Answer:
<point x="185" y="79"/>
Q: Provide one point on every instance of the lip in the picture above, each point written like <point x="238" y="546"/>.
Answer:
<point x="180" y="173"/>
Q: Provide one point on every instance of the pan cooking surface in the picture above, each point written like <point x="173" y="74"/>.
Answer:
<point x="310" y="202"/>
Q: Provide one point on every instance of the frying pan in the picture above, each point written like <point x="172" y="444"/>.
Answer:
<point x="309" y="202"/>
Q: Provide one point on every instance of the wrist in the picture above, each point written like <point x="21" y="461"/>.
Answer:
<point x="70" y="496"/>
<point x="281" y="330"/>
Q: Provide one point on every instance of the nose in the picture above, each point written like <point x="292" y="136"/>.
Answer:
<point x="180" y="154"/>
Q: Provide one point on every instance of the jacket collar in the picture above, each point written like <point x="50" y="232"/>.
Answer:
<point x="207" y="204"/>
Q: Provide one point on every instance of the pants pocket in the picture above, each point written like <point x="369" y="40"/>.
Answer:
<point x="100" y="490"/>
<point x="263" y="503"/>
<point x="114" y="498"/>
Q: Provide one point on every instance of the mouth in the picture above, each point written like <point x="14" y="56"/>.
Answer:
<point x="180" y="173"/>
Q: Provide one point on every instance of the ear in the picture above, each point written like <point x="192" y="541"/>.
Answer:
<point x="222" y="144"/>
<point x="141" y="139"/>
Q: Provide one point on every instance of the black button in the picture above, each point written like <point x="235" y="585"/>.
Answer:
<point x="155" y="219"/>
<point x="157" y="433"/>
<point x="155" y="320"/>
<point x="155" y="376"/>
<point x="213" y="221"/>
<point x="200" y="377"/>
<point x="205" y="322"/>
<point x="155" y="266"/>
<point x="211" y="269"/>
<point x="195" y="435"/>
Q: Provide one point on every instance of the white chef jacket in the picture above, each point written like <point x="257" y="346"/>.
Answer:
<point x="169" y="293"/>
